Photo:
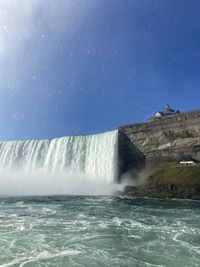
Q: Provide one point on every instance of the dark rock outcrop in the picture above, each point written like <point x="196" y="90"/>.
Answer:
<point x="130" y="158"/>
<point x="171" y="182"/>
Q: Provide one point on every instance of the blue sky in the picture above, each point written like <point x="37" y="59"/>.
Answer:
<point x="70" y="67"/>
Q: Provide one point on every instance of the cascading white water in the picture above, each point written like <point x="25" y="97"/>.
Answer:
<point x="91" y="155"/>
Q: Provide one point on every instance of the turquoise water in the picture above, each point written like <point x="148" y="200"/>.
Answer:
<point x="99" y="231"/>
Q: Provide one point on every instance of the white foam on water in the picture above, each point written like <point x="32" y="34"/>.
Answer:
<point x="69" y="165"/>
<point x="45" y="255"/>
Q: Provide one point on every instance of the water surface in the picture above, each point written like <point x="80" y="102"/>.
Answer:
<point x="99" y="231"/>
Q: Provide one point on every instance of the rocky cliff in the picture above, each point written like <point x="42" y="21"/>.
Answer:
<point x="167" y="139"/>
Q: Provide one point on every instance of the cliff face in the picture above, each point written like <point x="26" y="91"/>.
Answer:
<point x="170" y="138"/>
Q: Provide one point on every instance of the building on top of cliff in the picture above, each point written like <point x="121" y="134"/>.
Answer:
<point x="166" y="112"/>
<point x="169" y="111"/>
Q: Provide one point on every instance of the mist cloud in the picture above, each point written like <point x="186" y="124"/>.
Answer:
<point x="23" y="183"/>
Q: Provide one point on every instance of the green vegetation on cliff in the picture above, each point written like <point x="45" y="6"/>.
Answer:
<point x="177" y="175"/>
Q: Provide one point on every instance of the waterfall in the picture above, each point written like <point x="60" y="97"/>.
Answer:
<point x="91" y="155"/>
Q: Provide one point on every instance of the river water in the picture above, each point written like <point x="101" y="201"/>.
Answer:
<point x="99" y="231"/>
